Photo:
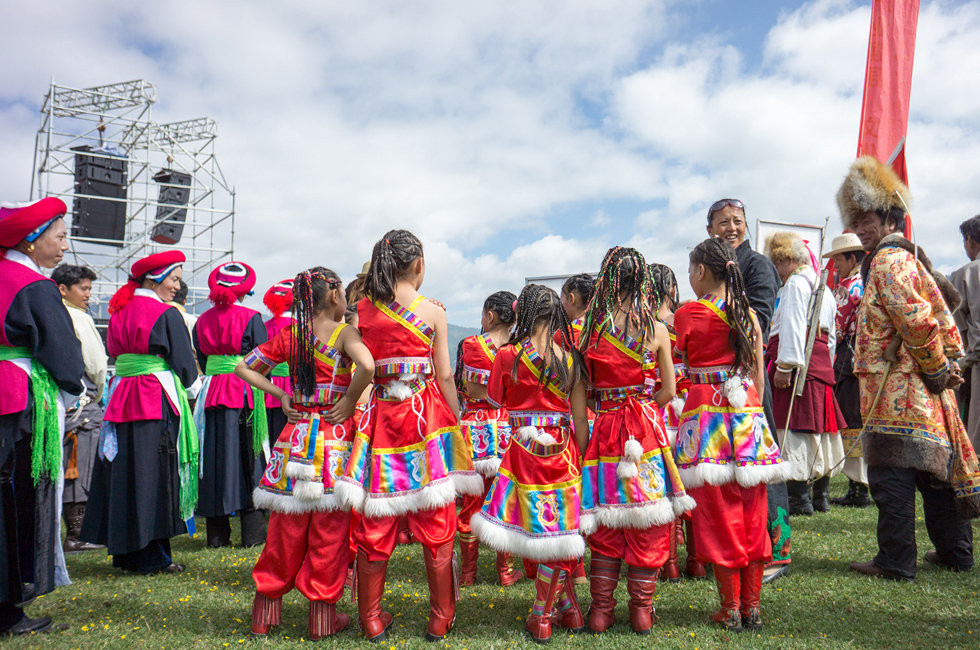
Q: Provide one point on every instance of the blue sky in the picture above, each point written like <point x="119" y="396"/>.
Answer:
<point x="516" y="138"/>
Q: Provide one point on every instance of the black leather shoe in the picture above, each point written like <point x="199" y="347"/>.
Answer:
<point x="932" y="557"/>
<point x="873" y="570"/>
<point x="30" y="626"/>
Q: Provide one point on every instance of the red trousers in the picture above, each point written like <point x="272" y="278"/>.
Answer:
<point x="470" y="505"/>
<point x="730" y="524"/>
<point x="647" y="548"/>
<point x="309" y="550"/>
<point x="377" y="537"/>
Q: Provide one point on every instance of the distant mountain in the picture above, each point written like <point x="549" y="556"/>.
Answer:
<point x="455" y="334"/>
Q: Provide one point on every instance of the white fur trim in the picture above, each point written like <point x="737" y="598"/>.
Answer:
<point x="487" y="466"/>
<point x="433" y="495"/>
<point x="734" y="391"/>
<point x="470" y="483"/>
<point x="351" y="493"/>
<point x="633" y="450"/>
<point x="517" y="542"/>
<point x="683" y="504"/>
<point x="308" y="490"/>
<point x="398" y="390"/>
<point x="754" y="475"/>
<point x="534" y="434"/>
<point x="626" y="469"/>
<point x="707" y="473"/>
<point x="636" y="515"/>
<point x="678" y="405"/>
<point x="301" y="471"/>
<point x="587" y="523"/>
<point x="290" y="505"/>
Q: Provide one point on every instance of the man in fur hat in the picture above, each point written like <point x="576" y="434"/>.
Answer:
<point x="966" y="279"/>
<point x="904" y="358"/>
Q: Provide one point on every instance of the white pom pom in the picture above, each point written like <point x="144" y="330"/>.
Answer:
<point x="734" y="391"/>
<point x="626" y="469"/>
<point x="633" y="450"/>
<point x="677" y="404"/>
<point x="398" y="390"/>
<point x="308" y="490"/>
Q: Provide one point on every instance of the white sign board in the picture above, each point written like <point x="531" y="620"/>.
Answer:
<point x="809" y="233"/>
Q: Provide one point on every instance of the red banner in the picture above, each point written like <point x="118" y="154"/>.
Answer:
<point x="888" y="84"/>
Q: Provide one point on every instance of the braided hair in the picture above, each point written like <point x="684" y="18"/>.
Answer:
<point x="458" y="380"/>
<point x="664" y="283"/>
<point x="310" y="289"/>
<point x="719" y="258"/>
<point x="537" y="305"/>
<point x="582" y="284"/>
<point x="624" y="271"/>
<point x="501" y="304"/>
<point x="392" y="256"/>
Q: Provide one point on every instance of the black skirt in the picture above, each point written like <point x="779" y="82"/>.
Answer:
<point x="230" y="470"/>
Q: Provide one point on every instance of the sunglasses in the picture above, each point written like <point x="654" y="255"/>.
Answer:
<point x="718" y="205"/>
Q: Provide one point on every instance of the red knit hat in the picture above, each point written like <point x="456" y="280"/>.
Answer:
<point x="18" y="221"/>
<point x="229" y="282"/>
<point x="279" y="298"/>
<point x="157" y="266"/>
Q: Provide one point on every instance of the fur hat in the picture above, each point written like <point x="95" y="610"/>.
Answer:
<point x="869" y="186"/>
<point x="785" y="245"/>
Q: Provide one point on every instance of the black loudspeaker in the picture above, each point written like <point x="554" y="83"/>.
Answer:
<point x="175" y="189"/>
<point x="98" y="178"/>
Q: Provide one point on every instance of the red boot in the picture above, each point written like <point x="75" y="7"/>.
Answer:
<point x="728" y="590"/>
<point x="370" y="587"/>
<point x="671" y="571"/>
<point x="604" y="573"/>
<point x="693" y="568"/>
<point x="641" y="584"/>
<point x="506" y="575"/>
<point x="325" y="620"/>
<point x="578" y="574"/>
<point x="751" y="588"/>
<point x="538" y="624"/>
<point x="469" y="552"/>
<point x="266" y="613"/>
<point x="567" y="612"/>
<point x="530" y="568"/>
<point x="442" y="590"/>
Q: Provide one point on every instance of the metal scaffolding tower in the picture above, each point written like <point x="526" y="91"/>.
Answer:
<point x="113" y="122"/>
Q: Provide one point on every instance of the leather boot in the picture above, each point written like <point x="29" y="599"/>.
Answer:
<point x="506" y="575"/>
<point x="799" y="498"/>
<point x="846" y="499"/>
<point x="74" y="514"/>
<point x="530" y="568"/>
<point x="750" y="589"/>
<point x="325" y="620"/>
<point x="538" y="624"/>
<point x="641" y="585"/>
<point x="567" y="612"/>
<point x="861" y="497"/>
<point x="469" y="552"/>
<point x="693" y="568"/>
<point x="253" y="527"/>
<point x="729" y="592"/>
<point x="442" y="590"/>
<point x="821" y="494"/>
<point x="266" y="613"/>
<point x="370" y="588"/>
<point x="218" y="531"/>
<point x="604" y="576"/>
<point x="670" y="570"/>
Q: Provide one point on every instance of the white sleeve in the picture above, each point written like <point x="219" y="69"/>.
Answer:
<point x="793" y="303"/>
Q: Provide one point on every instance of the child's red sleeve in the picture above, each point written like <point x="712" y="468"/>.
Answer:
<point x="682" y="329"/>
<point x="270" y="354"/>
<point x="499" y="376"/>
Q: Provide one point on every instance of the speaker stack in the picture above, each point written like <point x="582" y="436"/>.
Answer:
<point x="175" y="190"/>
<point x="99" y="206"/>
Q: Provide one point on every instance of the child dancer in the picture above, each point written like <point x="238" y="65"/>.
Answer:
<point x="409" y="457"/>
<point x="309" y="529"/>
<point x="631" y="491"/>
<point x="533" y="506"/>
<point x="278" y="300"/>
<point x="665" y="297"/>
<point x="486" y="427"/>
<point x="725" y="451"/>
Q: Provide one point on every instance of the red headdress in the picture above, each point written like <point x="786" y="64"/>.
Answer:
<point x="19" y="221"/>
<point x="229" y="282"/>
<point x="279" y="298"/>
<point x="156" y="267"/>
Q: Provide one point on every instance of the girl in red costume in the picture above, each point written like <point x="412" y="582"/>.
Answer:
<point x="725" y="451"/>
<point x="309" y="529"/>
<point x="278" y="300"/>
<point x="409" y="456"/>
<point x="632" y="492"/>
<point x="487" y="428"/>
<point x="533" y="506"/>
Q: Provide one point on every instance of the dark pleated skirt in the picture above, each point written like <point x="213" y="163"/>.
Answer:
<point x="229" y="468"/>
<point x="86" y="448"/>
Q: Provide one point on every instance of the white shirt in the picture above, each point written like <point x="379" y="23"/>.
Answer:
<point x="93" y="352"/>
<point x="789" y="322"/>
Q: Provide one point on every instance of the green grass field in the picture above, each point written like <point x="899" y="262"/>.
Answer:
<point x="821" y="605"/>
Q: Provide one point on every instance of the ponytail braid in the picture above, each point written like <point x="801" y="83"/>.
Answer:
<point x="664" y="283"/>
<point x="624" y="275"/>
<point x="310" y="289"/>
<point x="539" y="304"/>
<point x="501" y="304"/>
<point x="393" y="254"/>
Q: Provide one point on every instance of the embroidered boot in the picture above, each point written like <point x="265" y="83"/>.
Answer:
<point x="538" y="624"/>
<point x="442" y="590"/>
<point x="670" y="570"/>
<point x="729" y="592"/>
<point x="506" y="575"/>
<point x="325" y="620"/>
<point x="641" y="585"/>
<point x="567" y="612"/>
<point x="604" y="573"/>
<point x="693" y="568"/>
<point x="370" y="588"/>
<point x="469" y="552"/>
<point x="266" y="613"/>
<point x="750" y="590"/>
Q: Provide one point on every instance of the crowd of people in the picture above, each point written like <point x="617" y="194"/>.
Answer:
<point x="606" y="417"/>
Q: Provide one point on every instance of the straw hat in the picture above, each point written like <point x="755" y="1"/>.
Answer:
<point x="846" y="243"/>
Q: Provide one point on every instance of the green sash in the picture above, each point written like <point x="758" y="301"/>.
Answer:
<point x="46" y="430"/>
<point x="224" y="364"/>
<point x="188" y="449"/>
<point x="282" y="370"/>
